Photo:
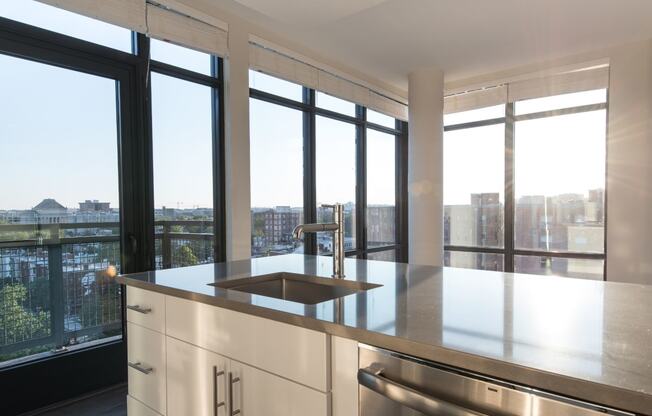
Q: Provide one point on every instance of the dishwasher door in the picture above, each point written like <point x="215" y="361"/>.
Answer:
<point x="393" y="384"/>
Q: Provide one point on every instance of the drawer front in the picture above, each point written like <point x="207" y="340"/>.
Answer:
<point x="146" y="308"/>
<point x="136" y="408"/>
<point x="296" y="353"/>
<point x="259" y="393"/>
<point x="146" y="372"/>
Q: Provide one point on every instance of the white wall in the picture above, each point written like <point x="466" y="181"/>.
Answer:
<point x="629" y="151"/>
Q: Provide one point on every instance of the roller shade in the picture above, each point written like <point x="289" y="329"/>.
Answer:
<point x="269" y="61"/>
<point x="171" y="26"/>
<point x="563" y="83"/>
<point x="475" y="99"/>
<point x="189" y="8"/>
<point x="576" y="81"/>
<point x="130" y="14"/>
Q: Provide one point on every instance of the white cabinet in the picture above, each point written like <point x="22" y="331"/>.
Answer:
<point x="197" y="380"/>
<point x="259" y="393"/>
<point x="136" y="408"/>
<point x="191" y="359"/>
<point x="290" y="351"/>
<point x="146" y="372"/>
<point x="201" y="383"/>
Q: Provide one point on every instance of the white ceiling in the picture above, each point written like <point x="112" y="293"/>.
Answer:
<point x="388" y="39"/>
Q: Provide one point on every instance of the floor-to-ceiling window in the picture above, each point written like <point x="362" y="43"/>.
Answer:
<point x="276" y="134"/>
<point x="309" y="150"/>
<point x="95" y="140"/>
<point x="184" y="135"/>
<point x="524" y="186"/>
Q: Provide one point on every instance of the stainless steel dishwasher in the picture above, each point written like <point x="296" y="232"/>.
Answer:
<point x="393" y="384"/>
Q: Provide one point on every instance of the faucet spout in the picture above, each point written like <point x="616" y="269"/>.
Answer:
<point x="337" y="228"/>
<point x="300" y="229"/>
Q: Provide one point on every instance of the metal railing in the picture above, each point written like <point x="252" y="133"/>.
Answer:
<point x="56" y="285"/>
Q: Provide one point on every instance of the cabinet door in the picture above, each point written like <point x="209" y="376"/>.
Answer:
<point x="256" y="392"/>
<point x="196" y="380"/>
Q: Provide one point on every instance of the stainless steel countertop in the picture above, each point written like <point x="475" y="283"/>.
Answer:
<point x="584" y="339"/>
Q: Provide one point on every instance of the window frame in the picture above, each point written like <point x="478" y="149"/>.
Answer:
<point x="99" y="366"/>
<point x="509" y="251"/>
<point x="310" y="110"/>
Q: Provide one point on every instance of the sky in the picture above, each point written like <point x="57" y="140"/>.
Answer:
<point x="58" y="137"/>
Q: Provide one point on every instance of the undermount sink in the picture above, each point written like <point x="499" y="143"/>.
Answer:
<point x="294" y="287"/>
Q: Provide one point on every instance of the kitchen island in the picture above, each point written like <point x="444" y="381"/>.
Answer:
<point x="582" y="339"/>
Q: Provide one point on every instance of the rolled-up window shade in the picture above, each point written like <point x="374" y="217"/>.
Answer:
<point x="475" y="99"/>
<point x="292" y="69"/>
<point x="272" y="63"/>
<point x="168" y="25"/>
<point x="130" y="14"/>
<point x="190" y="8"/>
<point x="577" y="81"/>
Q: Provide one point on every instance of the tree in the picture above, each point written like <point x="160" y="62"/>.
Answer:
<point x="187" y="257"/>
<point x="18" y="323"/>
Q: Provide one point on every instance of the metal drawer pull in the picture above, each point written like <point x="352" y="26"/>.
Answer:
<point x="137" y="308"/>
<point x="232" y="381"/>
<point x="139" y="367"/>
<point x="216" y="398"/>
<point x="407" y="396"/>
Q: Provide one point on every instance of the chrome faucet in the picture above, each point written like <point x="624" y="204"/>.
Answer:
<point x="337" y="227"/>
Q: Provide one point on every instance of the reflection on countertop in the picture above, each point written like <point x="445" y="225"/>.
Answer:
<point x="585" y="339"/>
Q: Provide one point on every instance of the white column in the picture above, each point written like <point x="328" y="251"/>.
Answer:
<point x="238" y="194"/>
<point x="629" y="165"/>
<point x="425" y="167"/>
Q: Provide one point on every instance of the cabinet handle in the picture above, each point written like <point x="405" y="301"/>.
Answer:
<point x="232" y="381"/>
<point x="139" y="309"/>
<point x="217" y="404"/>
<point x="139" y="367"/>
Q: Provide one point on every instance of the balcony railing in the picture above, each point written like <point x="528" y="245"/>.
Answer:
<point x="56" y="285"/>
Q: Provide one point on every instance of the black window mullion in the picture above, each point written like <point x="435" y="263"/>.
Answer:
<point x="402" y="192"/>
<point x="509" y="189"/>
<point x="309" y="166"/>
<point x="361" y="183"/>
<point x="217" y="124"/>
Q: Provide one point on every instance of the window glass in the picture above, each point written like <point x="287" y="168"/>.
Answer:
<point x="381" y="189"/>
<point x="468" y="260"/>
<point x="389" y="255"/>
<point x="555" y="266"/>
<point x="328" y="102"/>
<point x="67" y="23"/>
<point x="183" y="172"/>
<point x="474" y="166"/>
<point x="381" y="119"/>
<point x="560" y="182"/>
<point x="59" y="212"/>
<point x="176" y="55"/>
<point x="555" y="102"/>
<point x="479" y="114"/>
<point x="276" y="86"/>
<point x="276" y="178"/>
<point x="336" y="178"/>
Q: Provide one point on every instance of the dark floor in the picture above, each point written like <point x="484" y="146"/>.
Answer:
<point x="112" y="402"/>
